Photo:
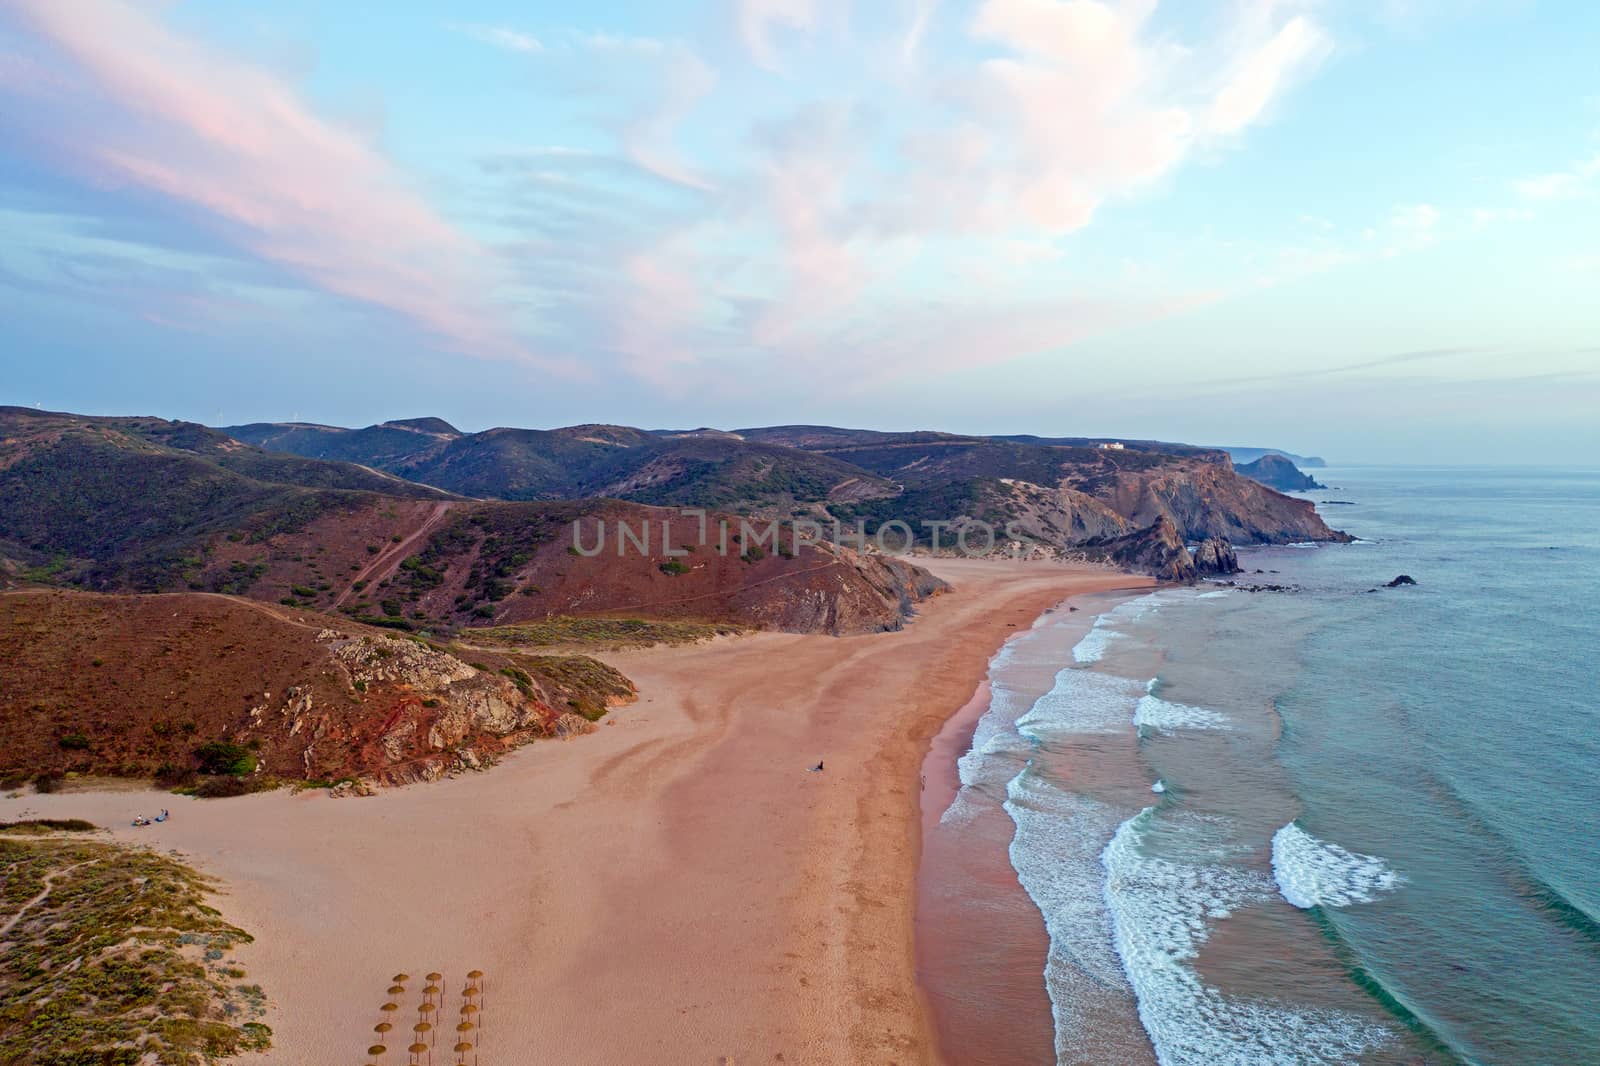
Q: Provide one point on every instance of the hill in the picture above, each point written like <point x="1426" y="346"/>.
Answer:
<point x="1279" y="473"/>
<point x="118" y="505"/>
<point x="698" y="468"/>
<point x="1250" y="455"/>
<point x="1057" y="493"/>
<point x="140" y="685"/>
<point x="130" y="502"/>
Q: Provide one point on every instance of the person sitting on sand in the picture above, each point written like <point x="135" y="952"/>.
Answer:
<point x="817" y="768"/>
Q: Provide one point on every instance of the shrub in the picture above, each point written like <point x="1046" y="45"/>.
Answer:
<point x="304" y="592"/>
<point x="47" y="782"/>
<point x="673" y="568"/>
<point x="222" y="757"/>
<point x="222" y="786"/>
<point x="74" y="742"/>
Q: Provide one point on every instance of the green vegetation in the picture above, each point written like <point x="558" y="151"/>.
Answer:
<point x="222" y="757"/>
<point x="564" y="630"/>
<point x="672" y="568"/>
<point x="520" y="679"/>
<point x="114" y="958"/>
<point x="590" y="685"/>
<point x="47" y="825"/>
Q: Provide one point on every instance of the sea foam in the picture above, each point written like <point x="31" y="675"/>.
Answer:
<point x="1315" y="873"/>
<point x="1094" y="645"/>
<point x="1082" y="701"/>
<point x="1162" y="910"/>
<point x="1156" y="715"/>
<point x="1056" y="853"/>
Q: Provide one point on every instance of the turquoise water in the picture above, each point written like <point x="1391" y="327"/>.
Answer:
<point x="1330" y="824"/>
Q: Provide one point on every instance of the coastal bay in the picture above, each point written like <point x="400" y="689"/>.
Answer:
<point x="676" y="887"/>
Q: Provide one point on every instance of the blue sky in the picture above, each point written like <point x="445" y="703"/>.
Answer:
<point x="1364" y="229"/>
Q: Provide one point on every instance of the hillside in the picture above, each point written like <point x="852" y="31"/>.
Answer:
<point x="137" y="685"/>
<point x="1057" y="494"/>
<point x="695" y="468"/>
<point x="115" y="505"/>
<point x="131" y="502"/>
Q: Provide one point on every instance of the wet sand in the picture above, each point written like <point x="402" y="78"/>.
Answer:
<point x="676" y="888"/>
<point x="981" y="941"/>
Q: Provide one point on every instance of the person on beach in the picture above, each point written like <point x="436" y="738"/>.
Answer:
<point x="817" y="768"/>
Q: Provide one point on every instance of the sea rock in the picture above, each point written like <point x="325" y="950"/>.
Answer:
<point x="1403" y="579"/>
<point x="1158" y="550"/>
<point x="1216" y="556"/>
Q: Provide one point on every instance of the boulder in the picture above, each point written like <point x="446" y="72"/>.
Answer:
<point x="1216" y="556"/>
<point x="1403" y="579"/>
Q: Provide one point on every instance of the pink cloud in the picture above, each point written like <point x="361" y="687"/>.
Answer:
<point x="155" y="110"/>
<point x="875" y="218"/>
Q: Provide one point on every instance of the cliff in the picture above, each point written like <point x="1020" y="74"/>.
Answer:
<point x="1158" y="550"/>
<point x="1279" y="473"/>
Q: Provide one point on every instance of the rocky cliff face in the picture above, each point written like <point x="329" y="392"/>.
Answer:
<point x="1158" y="549"/>
<point x="1205" y="499"/>
<point x="1277" y="472"/>
<point x="1216" y="556"/>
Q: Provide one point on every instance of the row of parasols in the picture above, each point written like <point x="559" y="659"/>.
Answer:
<point x="431" y="1024"/>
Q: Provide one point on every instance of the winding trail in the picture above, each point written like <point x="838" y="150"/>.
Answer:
<point x="387" y="560"/>
<point x="49" y="883"/>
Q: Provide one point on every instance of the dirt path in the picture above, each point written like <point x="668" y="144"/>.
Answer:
<point x="49" y="883"/>
<point x="384" y="563"/>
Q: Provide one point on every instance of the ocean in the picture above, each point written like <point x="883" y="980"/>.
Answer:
<point x="1338" y="823"/>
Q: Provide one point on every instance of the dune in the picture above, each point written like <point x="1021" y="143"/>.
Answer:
<point x="676" y="888"/>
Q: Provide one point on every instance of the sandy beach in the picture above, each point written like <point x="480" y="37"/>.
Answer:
<point x="676" y="888"/>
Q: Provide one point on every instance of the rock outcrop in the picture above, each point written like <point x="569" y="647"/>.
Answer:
<point x="1274" y="471"/>
<point x="1158" y="550"/>
<point x="1403" y="579"/>
<point x="1216" y="556"/>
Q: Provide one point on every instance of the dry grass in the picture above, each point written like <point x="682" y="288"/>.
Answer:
<point x="600" y="633"/>
<point x="112" y="956"/>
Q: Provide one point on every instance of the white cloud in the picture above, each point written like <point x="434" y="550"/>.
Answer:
<point x="1298" y="46"/>
<point x="1418" y="218"/>
<point x="756" y="20"/>
<point x="649" y="141"/>
<point x="500" y="36"/>
<point x="1488" y="216"/>
<point x="1560" y="184"/>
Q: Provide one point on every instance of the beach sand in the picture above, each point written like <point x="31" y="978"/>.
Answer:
<point x="676" y="888"/>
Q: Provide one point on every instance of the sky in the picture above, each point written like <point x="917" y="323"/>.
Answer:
<point x="1365" y="229"/>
